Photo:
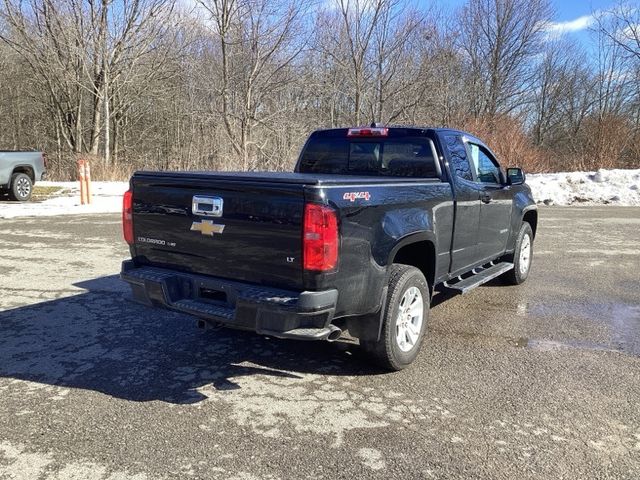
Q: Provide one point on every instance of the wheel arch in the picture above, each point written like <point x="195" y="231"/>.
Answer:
<point x="531" y="217"/>
<point x="417" y="250"/>
<point x="27" y="170"/>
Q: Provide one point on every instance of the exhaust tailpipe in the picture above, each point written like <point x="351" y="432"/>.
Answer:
<point x="205" y="325"/>
<point x="334" y="334"/>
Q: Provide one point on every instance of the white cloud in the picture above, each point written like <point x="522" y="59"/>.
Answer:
<point x="575" y="25"/>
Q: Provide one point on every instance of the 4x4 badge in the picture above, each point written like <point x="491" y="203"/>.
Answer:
<point x="207" y="227"/>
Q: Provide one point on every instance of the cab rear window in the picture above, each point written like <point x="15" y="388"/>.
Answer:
<point x="398" y="157"/>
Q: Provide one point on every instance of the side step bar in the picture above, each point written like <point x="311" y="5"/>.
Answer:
<point x="480" y="275"/>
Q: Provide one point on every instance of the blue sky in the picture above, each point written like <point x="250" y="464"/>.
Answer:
<point x="572" y="17"/>
<point x="566" y="10"/>
<point x="574" y="9"/>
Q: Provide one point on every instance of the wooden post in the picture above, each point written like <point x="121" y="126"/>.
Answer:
<point x="87" y="180"/>
<point x="81" y="178"/>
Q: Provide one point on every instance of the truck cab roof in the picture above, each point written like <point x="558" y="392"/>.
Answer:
<point x="399" y="131"/>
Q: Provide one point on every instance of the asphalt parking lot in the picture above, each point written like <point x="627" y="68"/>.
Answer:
<point x="537" y="381"/>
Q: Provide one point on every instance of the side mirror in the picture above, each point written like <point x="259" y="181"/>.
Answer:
<point x="515" y="176"/>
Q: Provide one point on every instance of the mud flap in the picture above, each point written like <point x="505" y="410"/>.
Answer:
<point x="369" y="327"/>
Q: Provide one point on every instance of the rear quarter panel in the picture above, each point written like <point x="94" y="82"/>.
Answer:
<point x="372" y="226"/>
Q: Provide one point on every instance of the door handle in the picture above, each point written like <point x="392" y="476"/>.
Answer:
<point x="486" y="198"/>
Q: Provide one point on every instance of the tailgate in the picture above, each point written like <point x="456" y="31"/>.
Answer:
<point x="257" y="237"/>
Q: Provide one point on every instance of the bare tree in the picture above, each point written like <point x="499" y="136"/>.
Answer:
<point x="500" y="37"/>
<point x="84" y="48"/>
<point x="350" y="34"/>
<point x="258" y="42"/>
<point x="395" y="64"/>
<point x="560" y="70"/>
<point x="621" y="24"/>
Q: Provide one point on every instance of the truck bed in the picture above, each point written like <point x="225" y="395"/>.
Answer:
<point x="286" y="177"/>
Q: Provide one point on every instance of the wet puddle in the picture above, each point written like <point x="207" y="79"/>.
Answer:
<point x="551" y="345"/>
<point x="622" y="322"/>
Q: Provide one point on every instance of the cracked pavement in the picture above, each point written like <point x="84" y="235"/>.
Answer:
<point x="536" y="381"/>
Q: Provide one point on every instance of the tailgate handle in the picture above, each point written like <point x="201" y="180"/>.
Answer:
<point x="207" y="206"/>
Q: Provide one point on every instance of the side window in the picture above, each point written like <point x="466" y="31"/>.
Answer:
<point x="486" y="170"/>
<point x="409" y="159"/>
<point x="458" y="154"/>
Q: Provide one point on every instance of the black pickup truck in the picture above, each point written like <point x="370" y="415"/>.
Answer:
<point x="372" y="221"/>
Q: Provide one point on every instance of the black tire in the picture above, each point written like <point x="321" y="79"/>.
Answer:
<point x="387" y="351"/>
<point x="21" y="187"/>
<point x="519" y="273"/>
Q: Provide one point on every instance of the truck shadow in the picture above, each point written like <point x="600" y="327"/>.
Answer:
<point x="100" y="340"/>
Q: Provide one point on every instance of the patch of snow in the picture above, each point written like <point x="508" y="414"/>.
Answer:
<point x="106" y="198"/>
<point x="604" y="187"/>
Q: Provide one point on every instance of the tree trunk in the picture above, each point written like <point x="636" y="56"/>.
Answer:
<point x="96" y="123"/>
<point x="107" y="118"/>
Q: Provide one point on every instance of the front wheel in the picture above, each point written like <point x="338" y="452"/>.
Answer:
<point x="21" y="187"/>
<point x="522" y="256"/>
<point x="405" y="319"/>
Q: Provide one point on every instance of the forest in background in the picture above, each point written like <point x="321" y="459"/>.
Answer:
<point x="239" y="84"/>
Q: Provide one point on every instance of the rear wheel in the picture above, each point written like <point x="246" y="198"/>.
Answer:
<point x="21" y="187"/>
<point x="522" y="256"/>
<point x="405" y="319"/>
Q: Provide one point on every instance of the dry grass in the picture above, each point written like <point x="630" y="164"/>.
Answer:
<point x="505" y="136"/>
<point x="42" y="193"/>
<point x="66" y="169"/>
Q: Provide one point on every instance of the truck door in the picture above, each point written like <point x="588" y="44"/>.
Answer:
<point x="496" y="203"/>
<point x="467" y="215"/>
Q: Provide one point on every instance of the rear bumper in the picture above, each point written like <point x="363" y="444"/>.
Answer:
<point x="268" y="311"/>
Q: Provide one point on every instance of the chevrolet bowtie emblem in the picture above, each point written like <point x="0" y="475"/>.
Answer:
<point x="207" y="227"/>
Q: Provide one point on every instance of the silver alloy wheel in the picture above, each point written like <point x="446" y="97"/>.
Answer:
<point x="23" y="187"/>
<point x="525" y="255"/>
<point x="409" y="319"/>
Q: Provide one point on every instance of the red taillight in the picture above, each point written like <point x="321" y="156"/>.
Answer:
<point x="319" y="238"/>
<point x="44" y="160"/>
<point x="368" y="132"/>
<point x="127" y="216"/>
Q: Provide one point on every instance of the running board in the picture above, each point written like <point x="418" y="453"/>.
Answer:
<point x="480" y="275"/>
